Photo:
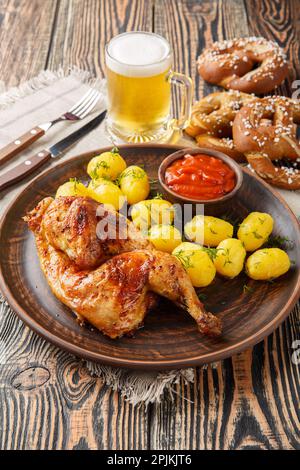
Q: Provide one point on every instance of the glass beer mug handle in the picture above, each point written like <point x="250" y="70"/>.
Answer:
<point x="186" y="84"/>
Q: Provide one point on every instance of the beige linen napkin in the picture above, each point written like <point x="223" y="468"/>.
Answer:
<point x="34" y="102"/>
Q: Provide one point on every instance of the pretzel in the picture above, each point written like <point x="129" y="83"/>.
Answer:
<point x="212" y="118"/>
<point x="265" y="130"/>
<point x="223" y="144"/>
<point x="251" y="65"/>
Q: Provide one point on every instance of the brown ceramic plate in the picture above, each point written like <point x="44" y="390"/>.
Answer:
<point x="169" y="338"/>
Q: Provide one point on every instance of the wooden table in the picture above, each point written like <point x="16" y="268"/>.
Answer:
<point x="47" y="399"/>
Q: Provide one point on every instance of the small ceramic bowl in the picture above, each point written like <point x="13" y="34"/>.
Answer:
<point x="212" y="206"/>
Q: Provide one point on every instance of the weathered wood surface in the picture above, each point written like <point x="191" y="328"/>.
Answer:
<point x="83" y="28"/>
<point x="26" y="29"/>
<point x="48" y="399"/>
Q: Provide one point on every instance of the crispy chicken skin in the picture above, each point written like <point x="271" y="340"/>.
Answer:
<point x="72" y="224"/>
<point x="116" y="295"/>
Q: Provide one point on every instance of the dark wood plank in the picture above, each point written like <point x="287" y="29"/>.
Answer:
<point x="25" y="33"/>
<point x="50" y="401"/>
<point x="249" y="401"/>
<point x="83" y="28"/>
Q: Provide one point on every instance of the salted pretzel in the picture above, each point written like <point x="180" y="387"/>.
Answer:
<point x="212" y="118"/>
<point x="266" y="131"/>
<point x="251" y="65"/>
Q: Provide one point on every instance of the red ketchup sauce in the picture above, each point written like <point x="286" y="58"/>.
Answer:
<point x="200" y="177"/>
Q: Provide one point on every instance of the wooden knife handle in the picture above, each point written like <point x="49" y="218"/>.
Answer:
<point x="20" y="144"/>
<point x="23" y="169"/>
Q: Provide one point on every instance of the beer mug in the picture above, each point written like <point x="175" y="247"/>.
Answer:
<point x="139" y="79"/>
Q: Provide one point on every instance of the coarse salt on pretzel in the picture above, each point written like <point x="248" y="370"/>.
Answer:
<point x="223" y="144"/>
<point x="212" y="118"/>
<point x="265" y="130"/>
<point x="282" y="177"/>
<point x="251" y="65"/>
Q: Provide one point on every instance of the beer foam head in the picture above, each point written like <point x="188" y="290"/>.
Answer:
<point x="138" y="54"/>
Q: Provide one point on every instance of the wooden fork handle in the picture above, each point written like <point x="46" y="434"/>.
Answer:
<point x="23" y="169"/>
<point x="20" y="144"/>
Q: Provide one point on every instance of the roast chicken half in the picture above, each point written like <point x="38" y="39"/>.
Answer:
<point x="108" y="274"/>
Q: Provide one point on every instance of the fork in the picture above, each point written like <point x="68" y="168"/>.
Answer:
<point x="79" y="111"/>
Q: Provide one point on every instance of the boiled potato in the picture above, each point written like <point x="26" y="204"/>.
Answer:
<point x="208" y="230"/>
<point x="164" y="237"/>
<point x="267" y="263"/>
<point x="196" y="262"/>
<point x="230" y="257"/>
<point x="106" y="165"/>
<point x="134" y="184"/>
<point x="187" y="246"/>
<point x="152" y="211"/>
<point x="106" y="192"/>
<point x="72" y="188"/>
<point x="255" y="229"/>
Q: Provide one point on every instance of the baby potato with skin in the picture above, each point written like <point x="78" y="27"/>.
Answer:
<point x="152" y="211"/>
<point x="255" y="230"/>
<point x="134" y="183"/>
<point x="267" y="264"/>
<point x="230" y="257"/>
<point x="196" y="262"/>
<point x="208" y="230"/>
<point x="106" y="192"/>
<point x="164" y="237"/>
<point x="106" y="165"/>
<point x="187" y="246"/>
<point x="72" y="188"/>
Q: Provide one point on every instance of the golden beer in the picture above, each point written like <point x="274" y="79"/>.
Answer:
<point x="138" y="103"/>
<point x="139" y="78"/>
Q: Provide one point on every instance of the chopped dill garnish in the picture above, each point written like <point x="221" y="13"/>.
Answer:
<point x="185" y="258"/>
<point x="247" y="289"/>
<point x="75" y="181"/>
<point x="257" y="235"/>
<point x="277" y="241"/>
<point x="101" y="164"/>
<point x="153" y="180"/>
<point x="227" y="262"/>
<point x="202" y="297"/>
<point x="136" y="173"/>
<point x="212" y="252"/>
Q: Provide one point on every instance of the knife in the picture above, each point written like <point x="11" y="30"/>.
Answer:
<point x="31" y="164"/>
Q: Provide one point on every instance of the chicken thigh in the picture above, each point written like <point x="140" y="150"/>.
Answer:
<point x="89" y="232"/>
<point x="115" y="296"/>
